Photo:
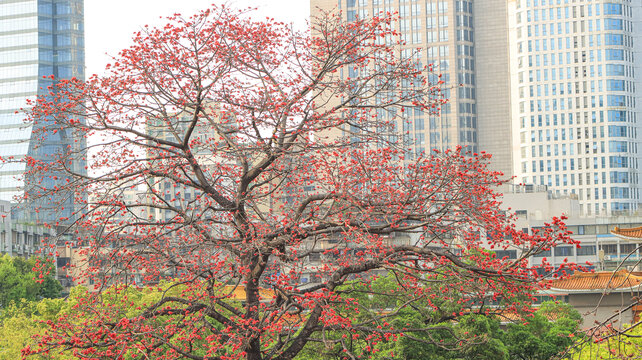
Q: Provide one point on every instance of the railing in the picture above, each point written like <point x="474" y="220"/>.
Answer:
<point x="621" y="257"/>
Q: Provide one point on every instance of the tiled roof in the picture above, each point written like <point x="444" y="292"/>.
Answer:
<point x="599" y="281"/>
<point x="632" y="233"/>
<point x="238" y="293"/>
<point x="510" y="316"/>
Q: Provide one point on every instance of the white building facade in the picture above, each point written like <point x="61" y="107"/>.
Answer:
<point x="575" y="69"/>
<point x="600" y="248"/>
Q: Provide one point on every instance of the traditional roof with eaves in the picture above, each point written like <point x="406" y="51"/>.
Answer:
<point x="598" y="282"/>
<point x="629" y="234"/>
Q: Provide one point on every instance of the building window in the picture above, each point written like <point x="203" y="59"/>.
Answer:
<point x="612" y="9"/>
<point x="586" y="250"/>
<point x="564" y="251"/>
<point x="626" y="249"/>
<point x="610" y="249"/>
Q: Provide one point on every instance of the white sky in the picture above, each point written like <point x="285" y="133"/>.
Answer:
<point x="109" y="25"/>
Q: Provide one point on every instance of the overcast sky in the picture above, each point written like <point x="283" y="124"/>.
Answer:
<point x="109" y="25"/>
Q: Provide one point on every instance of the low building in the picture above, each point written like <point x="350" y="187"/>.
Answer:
<point x="600" y="248"/>
<point x="20" y="238"/>
<point x="605" y="297"/>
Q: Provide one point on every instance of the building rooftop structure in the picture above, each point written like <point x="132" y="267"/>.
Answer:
<point x="602" y="298"/>
<point x="634" y="234"/>
<point x="599" y="281"/>
<point x="602" y="246"/>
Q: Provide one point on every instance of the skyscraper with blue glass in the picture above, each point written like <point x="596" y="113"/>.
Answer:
<point x="576" y="85"/>
<point x="38" y="38"/>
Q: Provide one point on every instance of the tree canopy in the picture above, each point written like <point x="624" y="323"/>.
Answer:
<point x="20" y="279"/>
<point x="267" y="162"/>
<point x="473" y="333"/>
<point x="547" y="335"/>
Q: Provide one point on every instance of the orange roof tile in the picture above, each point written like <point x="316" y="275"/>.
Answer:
<point x="631" y="233"/>
<point x="508" y="316"/>
<point x="599" y="281"/>
<point x="238" y="293"/>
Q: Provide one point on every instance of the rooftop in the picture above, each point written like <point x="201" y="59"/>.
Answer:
<point x="631" y="233"/>
<point x="604" y="280"/>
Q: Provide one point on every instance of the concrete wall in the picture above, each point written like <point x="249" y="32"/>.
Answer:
<point x="598" y="308"/>
<point x="493" y="83"/>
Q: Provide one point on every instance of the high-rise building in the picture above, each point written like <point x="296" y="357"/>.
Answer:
<point x="549" y="87"/>
<point x="40" y="41"/>
<point x="576" y="77"/>
<point x="437" y="32"/>
<point x="493" y="82"/>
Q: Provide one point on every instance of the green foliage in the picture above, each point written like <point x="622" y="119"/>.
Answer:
<point x="19" y="281"/>
<point x="23" y="320"/>
<point x="474" y="336"/>
<point x="468" y="336"/>
<point x="477" y="336"/>
<point x="548" y="332"/>
<point x="626" y="346"/>
<point x="27" y="301"/>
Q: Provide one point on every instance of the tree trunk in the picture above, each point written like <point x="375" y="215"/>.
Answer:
<point x="252" y="298"/>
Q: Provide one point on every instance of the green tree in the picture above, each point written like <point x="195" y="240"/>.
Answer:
<point x="473" y="336"/>
<point x="444" y="329"/>
<point x="18" y="280"/>
<point x="21" y="321"/>
<point x="549" y="332"/>
<point x="628" y="345"/>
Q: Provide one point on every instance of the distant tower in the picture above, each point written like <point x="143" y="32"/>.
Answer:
<point x="551" y="88"/>
<point x="38" y="38"/>
<point x="439" y="33"/>
<point x="576" y="78"/>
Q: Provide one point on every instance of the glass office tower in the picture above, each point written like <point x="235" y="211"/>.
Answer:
<point x="437" y="32"/>
<point x="576" y="81"/>
<point x="38" y="38"/>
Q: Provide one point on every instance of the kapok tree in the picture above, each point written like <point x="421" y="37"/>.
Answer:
<point x="229" y="156"/>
